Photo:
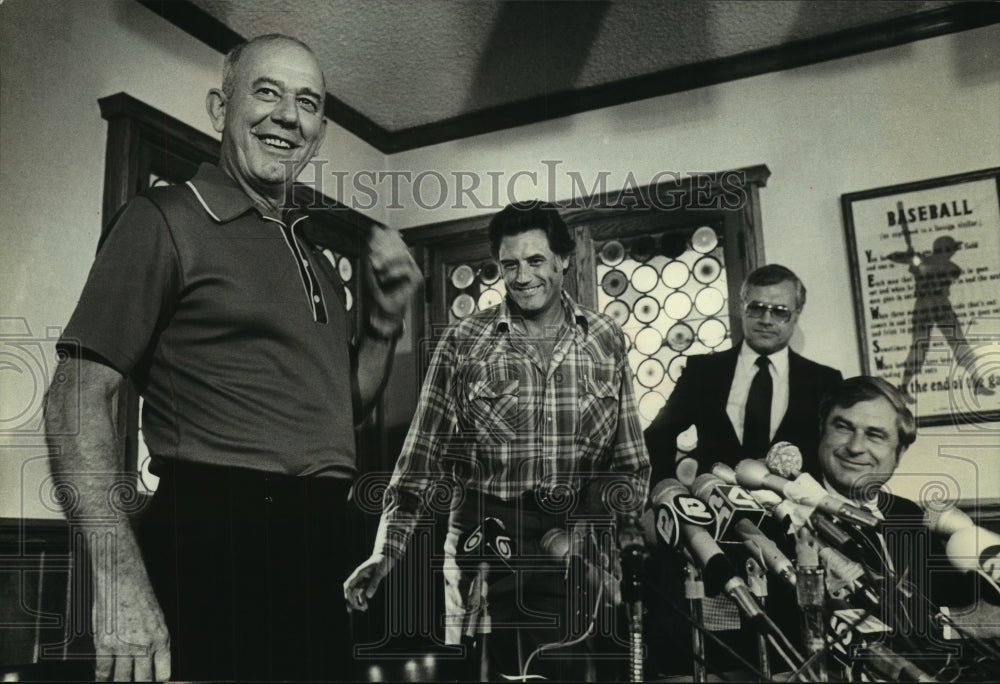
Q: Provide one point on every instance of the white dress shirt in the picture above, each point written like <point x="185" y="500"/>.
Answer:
<point x="738" y="391"/>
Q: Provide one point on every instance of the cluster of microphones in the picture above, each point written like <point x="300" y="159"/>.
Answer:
<point x="847" y="603"/>
<point x="851" y="602"/>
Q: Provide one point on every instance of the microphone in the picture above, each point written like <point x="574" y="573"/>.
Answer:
<point x="556" y="543"/>
<point x="947" y="522"/>
<point x="729" y="503"/>
<point x="891" y="666"/>
<point x="685" y="464"/>
<point x="809" y="591"/>
<point x="855" y="626"/>
<point x="784" y="459"/>
<point x="724" y="473"/>
<point x="781" y="509"/>
<point x="680" y="517"/>
<point x="738" y="515"/>
<point x="489" y="538"/>
<point x="688" y="519"/>
<point x="975" y="549"/>
<point x="832" y="535"/>
<point x="804" y="489"/>
<point x="851" y="628"/>
<point x="844" y="577"/>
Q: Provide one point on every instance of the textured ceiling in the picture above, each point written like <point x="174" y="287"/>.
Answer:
<point x="403" y="64"/>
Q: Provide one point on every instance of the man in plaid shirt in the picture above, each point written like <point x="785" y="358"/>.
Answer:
<point x="528" y="417"/>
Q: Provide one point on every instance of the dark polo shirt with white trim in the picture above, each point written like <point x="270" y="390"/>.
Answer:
<point x="232" y="330"/>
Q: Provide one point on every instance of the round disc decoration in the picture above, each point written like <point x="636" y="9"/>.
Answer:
<point x="489" y="298"/>
<point x="489" y="272"/>
<point x="645" y="278"/>
<point x="463" y="305"/>
<point x="646" y="309"/>
<point x="673" y="243"/>
<point x="677" y="305"/>
<point x="707" y="269"/>
<point x="704" y="240"/>
<point x="680" y="336"/>
<point x="612" y="253"/>
<point x="712" y="332"/>
<point x="618" y="310"/>
<point x="462" y="276"/>
<point x="614" y="282"/>
<point x="649" y="373"/>
<point x="675" y="274"/>
<point x="676" y="367"/>
<point x="650" y="404"/>
<point x="709" y="301"/>
<point x="648" y="341"/>
<point x="642" y="248"/>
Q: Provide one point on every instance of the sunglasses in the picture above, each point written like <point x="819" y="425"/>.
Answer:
<point x="779" y="312"/>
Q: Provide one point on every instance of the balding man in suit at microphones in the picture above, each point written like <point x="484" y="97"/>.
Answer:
<point x="744" y="399"/>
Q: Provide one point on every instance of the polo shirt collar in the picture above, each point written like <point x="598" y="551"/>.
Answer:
<point x="573" y="314"/>
<point x="221" y="196"/>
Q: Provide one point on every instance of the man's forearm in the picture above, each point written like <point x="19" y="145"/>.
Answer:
<point x="86" y="464"/>
<point x="81" y="424"/>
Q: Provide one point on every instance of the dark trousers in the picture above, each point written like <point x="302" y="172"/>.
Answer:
<point x="248" y="568"/>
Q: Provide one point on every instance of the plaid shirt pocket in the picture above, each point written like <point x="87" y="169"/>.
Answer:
<point x="493" y="412"/>
<point x="598" y="410"/>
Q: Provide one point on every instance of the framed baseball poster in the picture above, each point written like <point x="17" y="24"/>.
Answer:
<point x="925" y="268"/>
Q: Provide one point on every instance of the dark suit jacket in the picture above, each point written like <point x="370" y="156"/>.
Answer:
<point x="700" y="399"/>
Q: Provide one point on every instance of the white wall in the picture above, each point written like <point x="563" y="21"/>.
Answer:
<point x="918" y="111"/>
<point x="56" y="59"/>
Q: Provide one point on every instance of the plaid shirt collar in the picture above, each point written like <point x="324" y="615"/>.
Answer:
<point x="573" y="314"/>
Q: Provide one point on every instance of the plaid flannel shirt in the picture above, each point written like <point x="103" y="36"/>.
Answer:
<point x="493" y="417"/>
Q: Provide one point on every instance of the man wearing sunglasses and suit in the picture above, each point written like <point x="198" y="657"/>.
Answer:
<point x="744" y="399"/>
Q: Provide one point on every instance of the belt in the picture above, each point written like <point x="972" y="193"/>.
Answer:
<point x="204" y="480"/>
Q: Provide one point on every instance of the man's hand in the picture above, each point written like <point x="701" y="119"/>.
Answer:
<point x="364" y="581"/>
<point x="130" y="634"/>
<point x="391" y="277"/>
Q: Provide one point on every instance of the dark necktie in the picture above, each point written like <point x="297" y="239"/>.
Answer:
<point x="757" y="417"/>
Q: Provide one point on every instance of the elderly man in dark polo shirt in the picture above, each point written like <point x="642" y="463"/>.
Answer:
<point x="208" y="297"/>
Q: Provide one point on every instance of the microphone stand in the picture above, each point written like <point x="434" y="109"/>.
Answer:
<point x="633" y="556"/>
<point x="757" y="579"/>
<point x="810" y="591"/>
<point x="694" y="592"/>
<point x="485" y="624"/>
<point x="635" y="640"/>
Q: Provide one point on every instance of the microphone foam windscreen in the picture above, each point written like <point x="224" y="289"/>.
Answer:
<point x="784" y="459"/>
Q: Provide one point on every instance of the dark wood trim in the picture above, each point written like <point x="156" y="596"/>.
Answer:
<point x="581" y="210"/>
<point x="919" y="26"/>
